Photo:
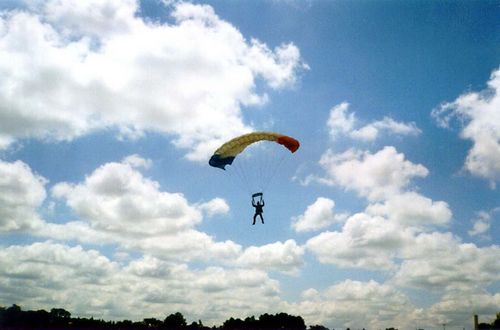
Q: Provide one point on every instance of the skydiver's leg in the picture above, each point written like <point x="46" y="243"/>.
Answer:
<point x="254" y="217"/>
<point x="261" y="218"/>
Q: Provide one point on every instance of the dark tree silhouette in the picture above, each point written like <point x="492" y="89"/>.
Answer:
<point x="318" y="327"/>
<point x="496" y="323"/>
<point x="175" y="321"/>
<point x="233" y="324"/>
<point x="60" y="313"/>
<point x="152" y="323"/>
<point x="14" y="318"/>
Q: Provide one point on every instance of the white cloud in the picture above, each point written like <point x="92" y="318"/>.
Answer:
<point x="214" y="207"/>
<point x="85" y="282"/>
<point x="285" y="257"/>
<point x="356" y="304"/>
<point x="98" y="19"/>
<point x="412" y="209"/>
<point x="431" y="262"/>
<point x="318" y="215"/>
<point x="364" y="242"/>
<point x="186" y="245"/>
<point x="341" y="121"/>
<point x="481" y="224"/>
<point x="44" y="274"/>
<point x="118" y="198"/>
<point x="22" y="192"/>
<point x="371" y="131"/>
<point x="376" y="176"/>
<point x="81" y="67"/>
<point x="479" y="113"/>
<point x="137" y="161"/>
<point x="116" y="204"/>
<point x="439" y="261"/>
<point x="458" y="306"/>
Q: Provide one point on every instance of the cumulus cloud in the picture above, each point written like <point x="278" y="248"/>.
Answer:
<point x="456" y="307"/>
<point x="481" y="224"/>
<point x="214" y="207"/>
<point x="341" y="121"/>
<point x="137" y="161"/>
<point x="88" y="66"/>
<point x="356" y="304"/>
<point x="377" y="176"/>
<point x="118" y="198"/>
<point x="441" y="261"/>
<point x="318" y="215"/>
<point x="117" y="204"/>
<point x="479" y="114"/>
<point x="22" y="192"/>
<point x="284" y="257"/>
<point x="429" y="261"/>
<point x="47" y="274"/>
<point x="365" y="241"/>
<point x="412" y="209"/>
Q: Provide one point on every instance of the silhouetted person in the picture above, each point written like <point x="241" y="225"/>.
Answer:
<point x="258" y="209"/>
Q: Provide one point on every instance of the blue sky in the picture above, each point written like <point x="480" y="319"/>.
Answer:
<point x="387" y="216"/>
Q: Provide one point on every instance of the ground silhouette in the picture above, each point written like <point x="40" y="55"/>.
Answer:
<point x="14" y="318"/>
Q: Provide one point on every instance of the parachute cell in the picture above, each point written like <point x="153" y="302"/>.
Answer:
<point x="226" y="153"/>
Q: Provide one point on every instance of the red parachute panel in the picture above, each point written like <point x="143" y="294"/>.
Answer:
<point x="289" y="142"/>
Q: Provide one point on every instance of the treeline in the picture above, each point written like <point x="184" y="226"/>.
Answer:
<point x="14" y="318"/>
<point x="495" y="325"/>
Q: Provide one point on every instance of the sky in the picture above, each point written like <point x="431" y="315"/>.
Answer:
<point x="387" y="216"/>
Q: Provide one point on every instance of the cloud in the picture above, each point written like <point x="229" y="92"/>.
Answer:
<point x="341" y="121"/>
<point x="412" y="209"/>
<point x="376" y="176"/>
<point x="355" y="304"/>
<point x="117" y="198"/>
<point x="22" y="192"/>
<point x="317" y="216"/>
<point x="459" y="273"/>
<point x="374" y="305"/>
<point x="45" y="273"/>
<point x="137" y="161"/>
<point x="214" y="207"/>
<point x="87" y="283"/>
<point x="364" y="242"/>
<point x="479" y="114"/>
<point x="95" y="65"/>
<point x="481" y="224"/>
<point x="284" y="257"/>
<point x="371" y="131"/>
<point x="117" y="205"/>
<point x="456" y="307"/>
<point x="439" y="261"/>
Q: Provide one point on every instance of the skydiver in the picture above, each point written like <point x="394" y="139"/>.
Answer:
<point x="258" y="209"/>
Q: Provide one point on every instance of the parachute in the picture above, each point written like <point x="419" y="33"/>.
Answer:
<point x="226" y="153"/>
<point x="254" y="169"/>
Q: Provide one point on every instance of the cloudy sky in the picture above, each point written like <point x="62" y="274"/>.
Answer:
<point x="387" y="216"/>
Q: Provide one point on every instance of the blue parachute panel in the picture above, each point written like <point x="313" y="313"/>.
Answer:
<point x="220" y="162"/>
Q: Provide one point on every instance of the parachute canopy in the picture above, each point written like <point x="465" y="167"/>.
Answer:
<point x="226" y="153"/>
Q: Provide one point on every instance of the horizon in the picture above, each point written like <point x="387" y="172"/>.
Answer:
<point x="387" y="214"/>
<point x="175" y="320"/>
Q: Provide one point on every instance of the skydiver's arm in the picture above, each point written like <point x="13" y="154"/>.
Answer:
<point x="253" y="203"/>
